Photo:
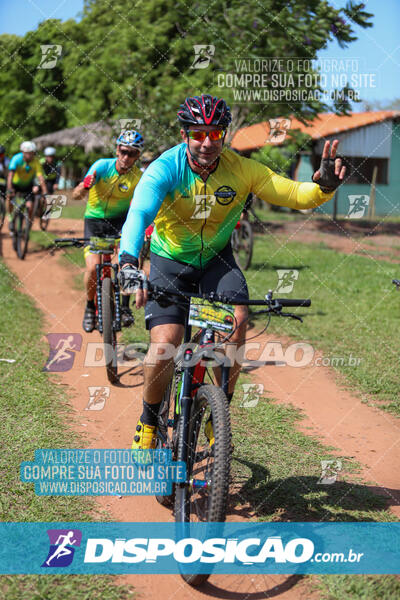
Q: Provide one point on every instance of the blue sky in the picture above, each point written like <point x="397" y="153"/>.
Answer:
<point x="377" y="50"/>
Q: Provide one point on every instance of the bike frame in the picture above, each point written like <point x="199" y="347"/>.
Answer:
<point x="191" y="379"/>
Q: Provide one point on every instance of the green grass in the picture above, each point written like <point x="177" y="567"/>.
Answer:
<point x="35" y="413"/>
<point x="357" y="587"/>
<point x="73" y="211"/>
<point x="355" y="310"/>
<point x="279" y="477"/>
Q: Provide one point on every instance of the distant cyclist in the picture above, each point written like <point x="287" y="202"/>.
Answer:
<point x="110" y="183"/>
<point x="22" y="170"/>
<point x="51" y="169"/>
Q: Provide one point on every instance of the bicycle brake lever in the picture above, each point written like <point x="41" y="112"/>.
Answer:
<point x="292" y="316"/>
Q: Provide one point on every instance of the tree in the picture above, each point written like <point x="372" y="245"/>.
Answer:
<point x="121" y="62"/>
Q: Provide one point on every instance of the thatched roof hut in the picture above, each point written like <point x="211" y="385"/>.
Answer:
<point x="91" y="137"/>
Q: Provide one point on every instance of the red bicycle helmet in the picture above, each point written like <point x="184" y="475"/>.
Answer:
<point x="204" y="110"/>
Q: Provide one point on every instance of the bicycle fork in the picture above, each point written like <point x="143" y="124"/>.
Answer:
<point x="192" y="379"/>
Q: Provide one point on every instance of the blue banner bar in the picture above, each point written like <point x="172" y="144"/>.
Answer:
<point x="240" y="548"/>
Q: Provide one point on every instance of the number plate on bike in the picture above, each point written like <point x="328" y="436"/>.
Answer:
<point x="103" y="244"/>
<point x="217" y="316"/>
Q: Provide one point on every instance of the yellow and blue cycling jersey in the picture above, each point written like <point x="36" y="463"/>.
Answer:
<point x="25" y="172"/>
<point x="111" y="195"/>
<point x="194" y="219"/>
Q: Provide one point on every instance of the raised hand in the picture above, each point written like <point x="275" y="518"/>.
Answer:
<point x="331" y="172"/>
<point x="89" y="180"/>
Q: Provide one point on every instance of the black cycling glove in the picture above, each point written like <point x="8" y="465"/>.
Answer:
<point x="329" y="181"/>
<point x="128" y="259"/>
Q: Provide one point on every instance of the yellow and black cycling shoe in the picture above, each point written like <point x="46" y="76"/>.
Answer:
<point x="127" y="318"/>
<point x="145" y="437"/>
<point x="89" y="319"/>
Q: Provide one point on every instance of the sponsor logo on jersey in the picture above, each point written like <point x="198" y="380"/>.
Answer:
<point x="225" y="195"/>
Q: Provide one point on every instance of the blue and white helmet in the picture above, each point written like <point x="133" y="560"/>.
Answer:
<point x="131" y="138"/>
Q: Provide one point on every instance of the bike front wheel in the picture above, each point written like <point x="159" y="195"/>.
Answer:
<point x="242" y="244"/>
<point x="21" y="233"/>
<point x="204" y="497"/>
<point x="109" y="334"/>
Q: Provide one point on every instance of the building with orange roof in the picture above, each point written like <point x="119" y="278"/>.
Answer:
<point x="370" y="146"/>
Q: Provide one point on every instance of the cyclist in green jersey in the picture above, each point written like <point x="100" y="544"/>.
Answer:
<point x="110" y="183"/>
<point x="195" y="193"/>
<point x="22" y="170"/>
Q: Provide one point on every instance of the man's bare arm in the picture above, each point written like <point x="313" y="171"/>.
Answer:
<point x="79" y="192"/>
<point x="9" y="179"/>
<point x="42" y="184"/>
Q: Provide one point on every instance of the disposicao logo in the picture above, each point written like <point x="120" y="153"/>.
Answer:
<point x="63" y="543"/>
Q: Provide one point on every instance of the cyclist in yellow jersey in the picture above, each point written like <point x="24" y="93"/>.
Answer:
<point x="195" y="193"/>
<point x="110" y="183"/>
<point x="22" y="170"/>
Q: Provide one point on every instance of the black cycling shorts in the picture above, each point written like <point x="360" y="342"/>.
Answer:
<point x="26" y="192"/>
<point x="220" y="275"/>
<point x="103" y="227"/>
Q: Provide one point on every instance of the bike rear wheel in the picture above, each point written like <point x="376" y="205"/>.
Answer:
<point x="21" y="232"/>
<point x="205" y="497"/>
<point x="109" y="334"/>
<point x="242" y="244"/>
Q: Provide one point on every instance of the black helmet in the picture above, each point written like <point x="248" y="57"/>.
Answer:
<point x="204" y="110"/>
<point x="2" y="150"/>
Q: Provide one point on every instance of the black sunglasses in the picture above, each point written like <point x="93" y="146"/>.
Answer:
<point x="128" y="153"/>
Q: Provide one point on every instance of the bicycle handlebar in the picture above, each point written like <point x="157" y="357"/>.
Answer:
<point x="214" y="297"/>
<point x="131" y="279"/>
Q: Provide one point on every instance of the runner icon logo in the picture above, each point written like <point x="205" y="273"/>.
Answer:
<point x="287" y="278"/>
<point x="203" y="55"/>
<point x="278" y="130"/>
<point x="251" y="394"/>
<point x="97" y="397"/>
<point x="63" y="543"/>
<point x="129" y="124"/>
<point x="357" y="206"/>
<point x="62" y="351"/>
<point x="54" y="206"/>
<point x="204" y="202"/>
<point x="50" y="55"/>
<point x="330" y="470"/>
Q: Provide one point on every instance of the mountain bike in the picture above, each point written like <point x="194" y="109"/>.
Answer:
<point x="107" y="297"/>
<point x="242" y="244"/>
<point x="189" y="402"/>
<point x="242" y="238"/>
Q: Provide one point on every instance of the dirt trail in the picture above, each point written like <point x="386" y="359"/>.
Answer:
<point x="355" y="429"/>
